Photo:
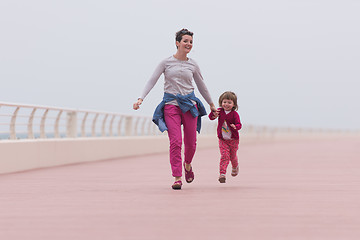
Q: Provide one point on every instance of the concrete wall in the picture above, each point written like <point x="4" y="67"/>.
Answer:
<point x="21" y="155"/>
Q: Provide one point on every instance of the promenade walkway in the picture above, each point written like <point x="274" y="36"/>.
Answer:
<point x="299" y="189"/>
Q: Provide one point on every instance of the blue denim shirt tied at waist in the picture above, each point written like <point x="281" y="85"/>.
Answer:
<point x="185" y="105"/>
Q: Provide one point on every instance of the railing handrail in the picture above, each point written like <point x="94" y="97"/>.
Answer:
<point x="112" y="124"/>
<point x="21" y="105"/>
<point x="124" y="125"/>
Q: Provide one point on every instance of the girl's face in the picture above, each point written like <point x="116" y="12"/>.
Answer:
<point x="185" y="45"/>
<point x="227" y="104"/>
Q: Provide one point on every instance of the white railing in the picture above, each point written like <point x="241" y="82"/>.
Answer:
<point x="23" y="121"/>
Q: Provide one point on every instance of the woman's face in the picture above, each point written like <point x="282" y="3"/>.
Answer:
<point x="185" y="45"/>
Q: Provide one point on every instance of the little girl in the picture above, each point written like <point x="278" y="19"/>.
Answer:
<point x="227" y="131"/>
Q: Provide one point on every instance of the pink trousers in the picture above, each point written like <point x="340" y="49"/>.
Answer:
<point x="228" y="150"/>
<point x="174" y="117"/>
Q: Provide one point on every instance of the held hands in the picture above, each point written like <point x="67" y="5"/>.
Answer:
<point x="137" y="104"/>
<point x="214" y="110"/>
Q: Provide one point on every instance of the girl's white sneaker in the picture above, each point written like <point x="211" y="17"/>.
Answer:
<point x="235" y="171"/>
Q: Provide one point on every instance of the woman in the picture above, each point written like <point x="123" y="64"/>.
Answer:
<point x="179" y="105"/>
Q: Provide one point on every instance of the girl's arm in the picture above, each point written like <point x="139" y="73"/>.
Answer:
<point x="237" y="122"/>
<point x="212" y="116"/>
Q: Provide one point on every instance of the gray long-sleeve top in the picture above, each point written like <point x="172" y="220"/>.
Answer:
<point x="178" y="78"/>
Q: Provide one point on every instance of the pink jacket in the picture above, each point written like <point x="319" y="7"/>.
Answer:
<point x="230" y="118"/>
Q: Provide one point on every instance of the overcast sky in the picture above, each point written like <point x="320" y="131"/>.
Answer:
<point x="292" y="63"/>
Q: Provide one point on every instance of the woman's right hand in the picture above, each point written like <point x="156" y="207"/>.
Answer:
<point x="137" y="104"/>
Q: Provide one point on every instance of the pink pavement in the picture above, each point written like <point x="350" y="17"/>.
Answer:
<point x="300" y="189"/>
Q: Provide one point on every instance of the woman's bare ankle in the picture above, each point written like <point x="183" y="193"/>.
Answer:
<point x="187" y="166"/>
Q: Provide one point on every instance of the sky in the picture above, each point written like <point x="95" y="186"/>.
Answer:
<point x="292" y="63"/>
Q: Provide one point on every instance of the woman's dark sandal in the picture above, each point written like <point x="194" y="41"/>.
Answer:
<point x="177" y="185"/>
<point x="189" y="175"/>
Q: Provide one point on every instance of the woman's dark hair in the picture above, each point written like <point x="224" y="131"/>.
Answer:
<point x="181" y="33"/>
<point x="230" y="96"/>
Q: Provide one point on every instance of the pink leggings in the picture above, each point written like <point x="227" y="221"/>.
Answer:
<point x="174" y="117"/>
<point x="228" y="149"/>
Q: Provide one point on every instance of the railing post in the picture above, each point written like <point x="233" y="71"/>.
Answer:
<point x="142" y="128"/>
<point x="135" y="127"/>
<point x="30" y="124"/>
<point x="42" y="124"/>
<point x="83" y="132"/>
<point x="93" y="127"/>
<point x="12" y="124"/>
<point x="111" y="126"/>
<point x="128" y="126"/>
<point x="103" y="132"/>
<point x="71" y="128"/>
<point x="56" y="126"/>
<point x="119" y="133"/>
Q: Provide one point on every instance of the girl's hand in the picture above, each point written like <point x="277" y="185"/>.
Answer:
<point x="233" y="126"/>
<point x="137" y="104"/>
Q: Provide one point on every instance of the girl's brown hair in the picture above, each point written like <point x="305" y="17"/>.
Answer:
<point x="231" y="96"/>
